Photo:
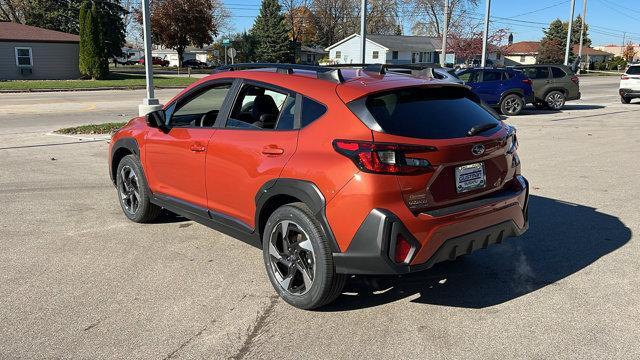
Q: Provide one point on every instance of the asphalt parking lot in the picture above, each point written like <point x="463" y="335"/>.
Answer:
<point x="78" y="280"/>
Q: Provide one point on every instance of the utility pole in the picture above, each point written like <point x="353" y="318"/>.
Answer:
<point x="582" y="26"/>
<point x="443" y="53"/>
<point x="485" y="36"/>
<point x="566" y="51"/>
<point x="150" y="103"/>
<point x="624" y="39"/>
<point x="363" y="30"/>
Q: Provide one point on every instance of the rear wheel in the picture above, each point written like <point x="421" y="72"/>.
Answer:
<point x="512" y="104"/>
<point x="555" y="100"/>
<point x="133" y="193"/>
<point x="625" y="100"/>
<point x="298" y="258"/>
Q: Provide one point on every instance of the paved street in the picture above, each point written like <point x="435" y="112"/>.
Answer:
<point x="78" y="280"/>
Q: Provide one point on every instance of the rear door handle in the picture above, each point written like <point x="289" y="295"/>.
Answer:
<point x="197" y="148"/>
<point x="272" y="150"/>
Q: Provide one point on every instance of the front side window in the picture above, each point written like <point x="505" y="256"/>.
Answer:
<point x="469" y="76"/>
<point x="262" y="109"/>
<point x="24" y="56"/>
<point x="201" y="109"/>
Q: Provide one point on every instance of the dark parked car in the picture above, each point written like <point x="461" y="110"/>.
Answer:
<point x="506" y="89"/>
<point x="553" y="85"/>
<point x="194" y="63"/>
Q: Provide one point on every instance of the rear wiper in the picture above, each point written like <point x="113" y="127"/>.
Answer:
<point x="481" y="128"/>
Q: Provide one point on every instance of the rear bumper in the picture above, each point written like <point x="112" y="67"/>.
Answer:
<point x="574" y="97"/>
<point x="629" y="93"/>
<point x="372" y="248"/>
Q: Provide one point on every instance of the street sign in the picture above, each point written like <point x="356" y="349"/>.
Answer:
<point x="226" y="42"/>
<point x="232" y="52"/>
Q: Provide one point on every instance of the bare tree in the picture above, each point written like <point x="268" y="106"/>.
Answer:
<point x="428" y="16"/>
<point x="334" y="19"/>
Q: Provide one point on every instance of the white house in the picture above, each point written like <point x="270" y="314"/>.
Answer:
<point x="386" y="49"/>
<point x="190" y="52"/>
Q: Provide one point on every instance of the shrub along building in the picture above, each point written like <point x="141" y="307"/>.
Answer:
<point x="28" y="52"/>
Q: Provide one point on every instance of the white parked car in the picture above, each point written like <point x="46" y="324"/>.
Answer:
<point x="630" y="84"/>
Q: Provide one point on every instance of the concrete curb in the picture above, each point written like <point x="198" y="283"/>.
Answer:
<point x="87" y="89"/>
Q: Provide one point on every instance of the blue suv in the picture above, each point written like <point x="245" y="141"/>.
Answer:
<point x="506" y="89"/>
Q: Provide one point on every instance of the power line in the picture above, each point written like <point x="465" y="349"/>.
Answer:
<point x="541" y="9"/>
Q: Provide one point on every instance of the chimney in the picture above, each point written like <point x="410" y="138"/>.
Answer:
<point x="510" y="38"/>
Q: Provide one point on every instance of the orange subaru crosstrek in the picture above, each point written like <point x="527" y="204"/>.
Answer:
<point x="330" y="171"/>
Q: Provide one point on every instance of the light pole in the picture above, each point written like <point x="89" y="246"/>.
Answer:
<point x="485" y="36"/>
<point x="566" y="51"/>
<point x="363" y="30"/>
<point x="150" y="103"/>
<point x="444" y="33"/>
<point x="584" y="20"/>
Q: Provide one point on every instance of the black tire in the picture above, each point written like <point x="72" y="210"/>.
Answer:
<point x="511" y="105"/>
<point x="625" y="100"/>
<point x="555" y="100"/>
<point x="299" y="221"/>
<point x="134" y="194"/>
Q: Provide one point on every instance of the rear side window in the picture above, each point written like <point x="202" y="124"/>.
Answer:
<point x="437" y="113"/>
<point x="311" y="110"/>
<point x="491" y="76"/>
<point x="633" y="70"/>
<point x="541" y="72"/>
<point x="557" y="73"/>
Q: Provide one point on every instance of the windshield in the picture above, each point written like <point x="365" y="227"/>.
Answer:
<point x="429" y="113"/>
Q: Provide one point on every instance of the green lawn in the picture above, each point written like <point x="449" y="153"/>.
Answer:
<point x="114" y="80"/>
<point x="105" y="128"/>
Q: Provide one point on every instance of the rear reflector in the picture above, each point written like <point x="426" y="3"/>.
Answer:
<point x="526" y="81"/>
<point x="575" y="79"/>
<point x="384" y="158"/>
<point x="403" y="247"/>
<point x="624" y="77"/>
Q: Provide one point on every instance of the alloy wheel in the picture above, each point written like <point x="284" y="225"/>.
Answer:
<point x="555" y="101"/>
<point x="512" y="105"/>
<point x="129" y="190"/>
<point x="292" y="258"/>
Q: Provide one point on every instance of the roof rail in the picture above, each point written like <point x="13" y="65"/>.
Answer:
<point x="425" y="69"/>
<point x="322" y="72"/>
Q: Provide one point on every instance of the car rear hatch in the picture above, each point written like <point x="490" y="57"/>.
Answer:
<point x="447" y="146"/>
<point x="631" y="78"/>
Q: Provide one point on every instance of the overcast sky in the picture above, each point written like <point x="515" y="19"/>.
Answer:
<point x="608" y="19"/>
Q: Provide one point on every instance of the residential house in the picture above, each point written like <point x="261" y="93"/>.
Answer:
<point x="386" y="49"/>
<point x="618" y="50"/>
<point x="311" y="55"/>
<point x="526" y="52"/>
<point x="191" y="52"/>
<point x="28" y="52"/>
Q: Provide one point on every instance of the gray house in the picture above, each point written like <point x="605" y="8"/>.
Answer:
<point x="28" y="53"/>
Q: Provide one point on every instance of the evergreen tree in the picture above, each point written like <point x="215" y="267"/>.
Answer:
<point x="552" y="46"/>
<point x="93" y="56"/>
<point x="575" y="32"/>
<point x="271" y="33"/>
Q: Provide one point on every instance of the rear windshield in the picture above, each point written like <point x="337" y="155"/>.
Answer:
<point x="429" y="113"/>
<point x="633" y="70"/>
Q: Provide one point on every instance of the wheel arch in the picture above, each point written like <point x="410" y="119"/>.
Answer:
<point x="518" y="92"/>
<point x="549" y="90"/>
<point x="278" y="192"/>
<point x="120" y="149"/>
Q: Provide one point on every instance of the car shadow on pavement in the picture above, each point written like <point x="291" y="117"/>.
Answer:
<point x="530" y="110"/>
<point x="563" y="238"/>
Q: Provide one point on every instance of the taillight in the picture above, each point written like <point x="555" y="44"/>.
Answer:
<point x="403" y="247"/>
<point x="385" y="158"/>
<point x="526" y="81"/>
<point x="575" y="79"/>
<point x="624" y="77"/>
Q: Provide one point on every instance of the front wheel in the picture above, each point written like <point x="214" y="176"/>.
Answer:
<point x="555" y="100"/>
<point x="133" y="193"/>
<point x="512" y="104"/>
<point x="298" y="259"/>
<point x="625" y="100"/>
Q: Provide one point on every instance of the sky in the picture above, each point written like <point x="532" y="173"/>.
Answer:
<point x="608" y="19"/>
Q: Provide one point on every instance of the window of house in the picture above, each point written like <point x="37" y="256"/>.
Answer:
<point x="421" y="57"/>
<point x="24" y="56"/>
<point x="338" y="54"/>
<point x="375" y="54"/>
<point x="523" y="58"/>
<point x="201" y="109"/>
<point x="260" y="108"/>
<point x="414" y="57"/>
<point x="394" y="55"/>
<point x="309" y="59"/>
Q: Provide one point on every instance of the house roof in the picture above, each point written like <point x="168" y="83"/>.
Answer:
<point x="317" y="50"/>
<point x="523" y="48"/>
<point x="10" y="31"/>
<point x="590" y="51"/>
<point x="397" y="42"/>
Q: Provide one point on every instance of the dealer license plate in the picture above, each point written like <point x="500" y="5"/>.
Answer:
<point x="470" y="177"/>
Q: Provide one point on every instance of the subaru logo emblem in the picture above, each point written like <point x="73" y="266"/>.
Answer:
<point x="477" y="149"/>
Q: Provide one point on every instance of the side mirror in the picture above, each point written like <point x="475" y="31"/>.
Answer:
<point x="156" y="119"/>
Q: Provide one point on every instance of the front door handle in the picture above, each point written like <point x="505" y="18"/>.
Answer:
<point x="272" y="150"/>
<point x="197" y="148"/>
